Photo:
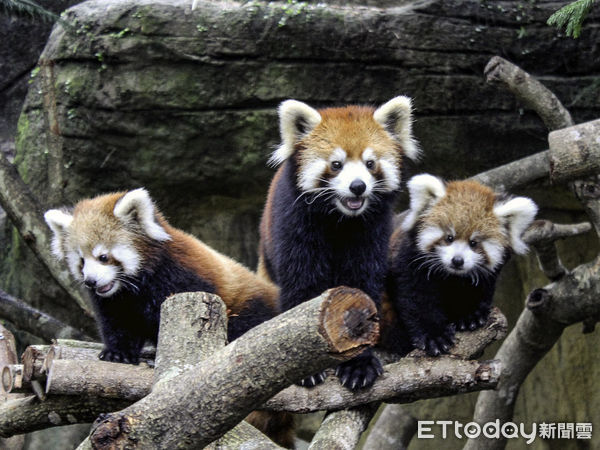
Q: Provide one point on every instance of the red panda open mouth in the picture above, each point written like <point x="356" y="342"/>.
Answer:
<point x="353" y="203"/>
<point x="104" y="289"/>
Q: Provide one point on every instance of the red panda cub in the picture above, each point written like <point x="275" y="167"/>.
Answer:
<point x="130" y="259"/>
<point x="447" y="254"/>
<point x="328" y="216"/>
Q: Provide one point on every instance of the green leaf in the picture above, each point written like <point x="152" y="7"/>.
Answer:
<point x="571" y="17"/>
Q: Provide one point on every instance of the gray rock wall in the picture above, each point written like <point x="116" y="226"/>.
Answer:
<point x="183" y="102"/>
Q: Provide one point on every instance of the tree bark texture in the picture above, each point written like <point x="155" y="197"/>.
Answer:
<point x="573" y="297"/>
<point x="35" y="321"/>
<point x="8" y="358"/>
<point x="393" y="430"/>
<point x="26" y="215"/>
<point x="341" y="430"/>
<point x="221" y="390"/>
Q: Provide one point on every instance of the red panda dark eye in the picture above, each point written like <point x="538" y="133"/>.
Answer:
<point x="449" y="238"/>
<point x="472" y="243"/>
<point x="103" y="258"/>
<point x="370" y="164"/>
<point x="336" y="165"/>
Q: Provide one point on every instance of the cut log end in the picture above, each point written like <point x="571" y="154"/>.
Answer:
<point x="349" y="320"/>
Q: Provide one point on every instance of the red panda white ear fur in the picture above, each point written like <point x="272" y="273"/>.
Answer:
<point x="425" y="190"/>
<point x="59" y="222"/>
<point x="396" y="117"/>
<point x="137" y="206"/>
<point x="296" y="119"/>
<point x="516" y="214"/>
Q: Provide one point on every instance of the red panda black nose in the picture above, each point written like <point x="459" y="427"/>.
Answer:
<point x="358" y="186"/>
<point x="457" y="262"/>
<point x="90" y="283"/>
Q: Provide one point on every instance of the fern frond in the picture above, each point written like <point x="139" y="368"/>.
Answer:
<point x="27" y="9"/>
<point x="571" y="17"/>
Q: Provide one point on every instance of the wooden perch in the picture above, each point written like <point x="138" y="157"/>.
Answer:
<point x="574" y="297"/>
<point x="35" y="321"/>
<point x="468" y="345"/>
<point x="26" y="215"/>
<point x="529" y="91"/>
<point x="393" y="430"/>
<point x="30" y="414"/>
<point x="8" y="358"/>
<point x="221" y="390"/>
<point x="341" y="430"/>
<point x="103" y="379"/>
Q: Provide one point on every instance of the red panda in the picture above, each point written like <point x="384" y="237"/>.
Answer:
<point x="328" y="215"/>
<point x="130" y="259"/>
<point x="447" y="254"/>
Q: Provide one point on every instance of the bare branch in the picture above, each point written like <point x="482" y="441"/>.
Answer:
<point x="30" y="414"/>
<point x="225" y="387"/>
<point x="341" y="430"/>
<point x="393" y="430"/>
<point x="35" y="321"/>
<point x="26" y="215"/>
<point x="529" y="91"/>
<point x="542" y="235"/>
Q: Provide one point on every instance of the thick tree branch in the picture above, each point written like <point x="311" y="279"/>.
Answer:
<point x="341" y="430"/>
<point x="30" y="414"/>
<point x="35" y="321"/>
<point x="529" y="91"/>
<point x="542" y="235"/>
<point x="225" y="387"/>
<point x="8" y="358"/>
<point x="26" y="215"/>
<point x="393" y="430"/>
<point x="573" y="298"/>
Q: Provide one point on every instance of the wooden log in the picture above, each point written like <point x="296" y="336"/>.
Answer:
<point x="8" y="358"/>
<point x="405" y="381"/>
<point x="33" y="362"/>
<point x="341" y="430"/>
<point x="101" y="378"/>
<point x="574" y="151"/>
<point x="29" y="414"/>
<point x="12" y="378"/>
<point x="220" y="391"/>
<point x="393" y="430"/>
<point x="35" y="321"/>
<point x="23" y="210"/>
<point x="533" y="94"/>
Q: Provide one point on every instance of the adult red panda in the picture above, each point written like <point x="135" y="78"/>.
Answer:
<point x="447" y="254"/>
<point x="130" y="259"/>
<point x="328" y="216"/>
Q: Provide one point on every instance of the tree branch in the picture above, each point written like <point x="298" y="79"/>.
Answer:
<point x="529" y="91"/>
<point x="341" y="430"/>
<point x="221" y="390"/>
<point x="8" y="358"/>
<point x="30" y="414"/>
<point x="393" y="430"/>
<point x="26" y="215"/>
<point x="35" y="321"/>
<point x="573" y="298"/>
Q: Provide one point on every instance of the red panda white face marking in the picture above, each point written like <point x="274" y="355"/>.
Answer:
<point x="103" y="240"/>
<point x="347" y="156"/>
<point x="462" y="229"/>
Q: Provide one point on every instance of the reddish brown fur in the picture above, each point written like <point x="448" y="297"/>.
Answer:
<point x="467" y="207"/>
<point x="95" y="223"/>
<point x="351" y="128"/>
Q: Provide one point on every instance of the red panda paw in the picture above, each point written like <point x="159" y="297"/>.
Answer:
<point x="473" y="321"/>
<point x="118" y="356"/>
<point x="313" y="380"/>
<point x="441" y="344"/>
<point x="360" y="372"/>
